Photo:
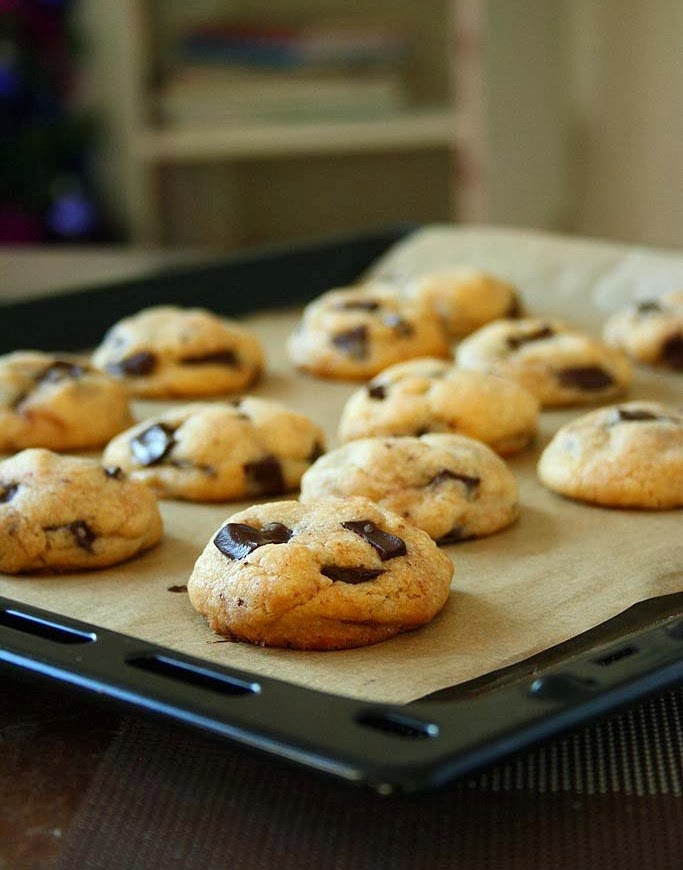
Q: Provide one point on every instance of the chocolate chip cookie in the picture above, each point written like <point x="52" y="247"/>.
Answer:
<point x="650" y="331"/>
<point x="450" y="486"/>
<point x="353" y="333"/>
<point x="58" y="401"/>
<point x="432" y="395"/>
<point x="558" y="364"/>
<point x="169" y="351"/>
<point x="627" y="455"/>
<point x="214" y="451"/>
<point x="463" y="298"/>
<point x="332" y="575"/>
<point x="63" y="512"/>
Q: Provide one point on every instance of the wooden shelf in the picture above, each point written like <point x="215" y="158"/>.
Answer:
<point x="416" y="130"/>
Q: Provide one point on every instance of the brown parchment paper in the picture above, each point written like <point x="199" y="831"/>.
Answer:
<point x="563" y="568"/>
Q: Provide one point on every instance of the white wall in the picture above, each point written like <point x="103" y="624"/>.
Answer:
<point x="626" y="74"/>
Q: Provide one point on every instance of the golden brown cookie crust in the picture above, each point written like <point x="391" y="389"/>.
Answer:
<point x="64" y="512"/>
<point x="290" y="593"/>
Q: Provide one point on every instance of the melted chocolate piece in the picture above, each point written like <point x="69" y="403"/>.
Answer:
<point x="585" y="377"/>
<point x="60" y="370"/>
<point x="317" y="451"/>
<point x="81" y="531"/>
<point x="456" y="534"/>
<point x="471" y="483"/>
<point x="218" y="357"/>
<point x="377" y="391"/>
<point x="137" y="364"/>
<point x="399" y="325"/>
<point x="265" y="476"/>
<point x="7" y="492"/>
<point x="672" y="351"/>
<point x="647" y="306"/>
<point x="237" y="540"/>
<point x="350" y="574"/>
<point x="359" y="305"/>
<point x="182" y="588"/>
<point x="354" y="342"/>
<point x="627" y="415"/>
<point x="152" y="445"/>
<point x="515" y="341"/>
<point x="386" y="545"/>
<point x="114" y="472"/>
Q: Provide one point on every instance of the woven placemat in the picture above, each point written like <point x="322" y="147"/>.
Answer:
<point x="608" y="795"/>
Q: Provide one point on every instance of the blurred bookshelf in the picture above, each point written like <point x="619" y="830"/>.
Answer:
<point x="237" y="122"/>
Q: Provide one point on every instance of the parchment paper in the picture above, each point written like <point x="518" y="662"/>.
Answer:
<point x="563" y="568"/>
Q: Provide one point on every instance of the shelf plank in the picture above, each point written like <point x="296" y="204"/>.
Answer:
<point x="425" y="129"/>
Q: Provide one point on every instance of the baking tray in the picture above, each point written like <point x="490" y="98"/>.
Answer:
<point x="410" y="747"/>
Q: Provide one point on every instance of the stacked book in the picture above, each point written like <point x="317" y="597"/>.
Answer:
<point x="241" y="74"/>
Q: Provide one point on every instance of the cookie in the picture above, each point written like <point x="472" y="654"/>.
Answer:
<point x="450" y="486"/>
<point x="650" y="331"/>
<point x="463" y="298"/>
<point x="628" y="455"/>
<point x="558" y="364"/>
<point x="432" y="395"/>
<point x="353" y="333"/>
<point x="168" y="351"/>
<point x="58" y="402"/>
<point x="331" y="575"/>
<point x="63" y="512"/>
<point x="213" y="451"/>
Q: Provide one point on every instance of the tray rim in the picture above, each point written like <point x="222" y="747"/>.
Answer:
<point x="388" y="747"/>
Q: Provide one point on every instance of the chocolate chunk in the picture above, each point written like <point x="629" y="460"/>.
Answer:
<point x="585" y="377"/>
<point x="672" y="351"/>
<point x="60" y="370"/>
<point x="647" y="306"/>
<point x="377" y="391"/>
<point x="81" y="531"/>
<point x="354" y="342"/>
<point x="114" y="472"/>
<point x="351" y="574"/>
<point x="456" y="534"/>
<point x="316" y="452"/>
<point x="218" y="357"/>
<point x="358" y="305"/>
<point x="265" y="476"/>
<point x="142" y="363"/>
<point x="399" y="325"/>
<point x="182" y="588"/>
<point x="8" y="491"/>
<point x="515" y="341"/>
<point x="422" y="431"/>
<point x="471" y="483"/>
<point x="514" y="309"/>
<point x="386" y="545"/>
<point x="152" y="445"/>
<point x="626" y="415"/>
<point x="237" y="540"/>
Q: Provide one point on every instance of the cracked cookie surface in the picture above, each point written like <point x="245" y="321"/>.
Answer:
<point x="168" y="351"/>
<point x="353" y="333"/>
<point x="59" y="402"/>
<point x="64" y="512"/>
<point x="214" y="451"/>
<point x="331" y="575"/>
<point x="450" y="486"/>
<point x="558" y="364"/>
<point x="626" y="455"/>
<point x="432" y="395"/>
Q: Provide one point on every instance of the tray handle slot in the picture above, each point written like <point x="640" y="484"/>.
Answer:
<point x="616" y="655"/>
<point x="47" y="629"/>
<point x="398" y="724"/>
<point x="192" y="675"/>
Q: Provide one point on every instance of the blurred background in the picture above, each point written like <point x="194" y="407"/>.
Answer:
<point x="223" y="124"/>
